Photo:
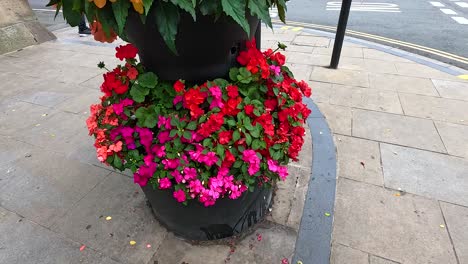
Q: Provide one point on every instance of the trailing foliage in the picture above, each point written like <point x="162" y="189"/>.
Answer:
<point x="108" y="17"/>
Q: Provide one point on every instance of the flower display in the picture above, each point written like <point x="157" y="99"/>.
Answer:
<point x="205" y="141"/>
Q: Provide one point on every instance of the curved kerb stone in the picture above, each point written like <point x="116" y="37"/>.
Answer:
<point x="313" y="244"/>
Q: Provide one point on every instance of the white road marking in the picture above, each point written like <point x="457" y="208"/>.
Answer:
<point x="438" y="4"/>
<point x="461" y="20"/>
<point x="365" y="7"/>
<point x="462" y="4"/>
<point x="448" y="11"/>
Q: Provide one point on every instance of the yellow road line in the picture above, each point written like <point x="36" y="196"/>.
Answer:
<point x="463" y="77"/>
<point x="388" y="40"/>
<point x="285" y="27"/>
<point x="297" y="29"/>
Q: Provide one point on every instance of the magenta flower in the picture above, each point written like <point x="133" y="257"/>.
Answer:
<point x="190" y="173"/>
<point x="178" y="99"/>
<point x="148" y="159"/>
<point x="283" y="172"/>
<point x="177" y="176"/>
<point x="217" y="97"/>
<point x="195" y="186"/>
<point x="165" y="183"/>
<point x="159" y="151"/>
<point x="272" y="165"/>
<point x="119" y="107"/>
<point x="164" y="122"/>
<point x="146" y="137"/>
<point x="179" y="195"/>
<point x="275" y="69"/>
<point x="164" y="136"/>
<point x="250" y="156"/>
<point x="127" y="134"/>
<point x="209" y="159"/>
<point x="171" y="164"/>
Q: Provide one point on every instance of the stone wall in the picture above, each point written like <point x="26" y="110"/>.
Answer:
<point x="19" y="26"/>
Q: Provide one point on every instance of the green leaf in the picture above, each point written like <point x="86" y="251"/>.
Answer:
<point x="237" y="164"/>
<point x="209" y="7"/>
<point x="148" y="79"/>
<point x="248" y="139"/>
<point x="173" y="133"/>
<point x="255" y="132"/>
<point x="150" y="121"/>
<point x="231" y="122"/>
<point x="220" y="150"/>
<point x="187" y="5"/>
<point x="236" y="135"/>
<point x="138" y="93"/>
<point x="117" y="162"/>
<point x="71" y="16"/>
<point x="256" y="144"/>
<point x="120" y="9"/>
<point x="236" y="10"/>
<point x="187" y="135"/>
<point x="233" y="74"/>
<point x="167" y="20"/>
<point x="259" y="8"/>
<point x="282" y="10"/>
<point x="192" y="125"/>
<point x="146" y="4"/>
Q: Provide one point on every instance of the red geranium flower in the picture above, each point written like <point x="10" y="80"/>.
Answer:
<point x="126" y="52"/>
<point x="179" y="86"/>
<point x="225" y="137"/>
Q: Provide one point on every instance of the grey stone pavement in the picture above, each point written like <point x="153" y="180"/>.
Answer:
<point x="401" y="136"/>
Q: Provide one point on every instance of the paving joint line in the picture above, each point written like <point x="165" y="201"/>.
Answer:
<point x="448" y="232"/>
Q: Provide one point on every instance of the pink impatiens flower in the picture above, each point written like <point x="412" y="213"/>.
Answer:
<point x="119" y="107"/>
<point x="179" y="195"/>
<point x="209" y="159"/>
<point x="250" y="156"/>
<point x="165" y="183"/>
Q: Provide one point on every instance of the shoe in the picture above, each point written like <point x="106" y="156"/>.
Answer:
<point x="85" y="32"/>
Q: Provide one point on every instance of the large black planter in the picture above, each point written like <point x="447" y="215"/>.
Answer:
<point x="207" y="48"/>
<point x="196" y="222"/>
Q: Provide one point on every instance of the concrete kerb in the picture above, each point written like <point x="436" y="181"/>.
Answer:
<point x="313" y="244"/>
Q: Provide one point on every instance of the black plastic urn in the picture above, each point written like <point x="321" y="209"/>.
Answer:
<point x="197" y="222"/>
<point x="207" y="48"/>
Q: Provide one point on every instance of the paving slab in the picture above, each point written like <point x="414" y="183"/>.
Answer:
<point x="17" y="116"/>
<point x="367" y="65"/>
<point x="301" y="72"/>
<point x="307" y="59"/>
<point x="43" y="185"/>
<point x="379" y="55"/>
<point x="339" y="118"/>
<point x="397" y="129"/>
<point x="403" y="228"/>
<point x="343" y="254"/>
<point x="455" y="138"/>
<point x="456" y="217"/>
<point x="11" y="150"/>
<point x="403" y="84"/>
<point x="13" y="84"/>
<point x="359" y="159"/>
<point x="418" y="70"/>
<point x="26" y="242"/>
<point x="450" y="89"/>
<point x="288" y="201"/>
<point x="117" y="196"/>
<point x="62" y="132"/>
<point x="378" y="260"/>
<point x="355" y="52"/>
<point x="310" y="40"/>
<point x="371" y="99"/>
<point x="320" y="91"/>
<point x="430" y="174"/>
<point x="175" y="250"/>
<point x="436" y="108"/>
<point x="346" y="77"/>
<point x="81" y="103"/>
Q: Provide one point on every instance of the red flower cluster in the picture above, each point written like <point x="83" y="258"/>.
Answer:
<point x="214" y="140"/>
<point x="126" y="52"/>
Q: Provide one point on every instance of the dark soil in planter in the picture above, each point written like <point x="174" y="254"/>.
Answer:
<point x="207" y="49"/>
<point x="226" y="218"/>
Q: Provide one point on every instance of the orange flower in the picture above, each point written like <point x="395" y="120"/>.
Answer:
<point x="99" y="35"/>
<point x="101" y="3"/>
<point x="138" y="5"/>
